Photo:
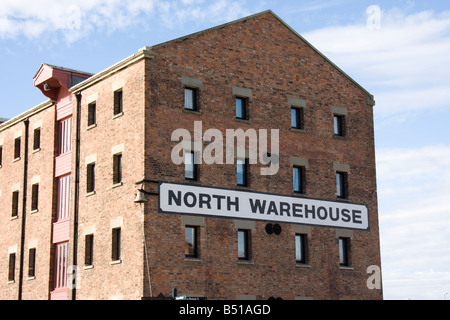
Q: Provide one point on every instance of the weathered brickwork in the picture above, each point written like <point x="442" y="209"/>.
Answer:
<point x="259" y="55"/>
<point x="112" y="205"/>
<point x="38" y="222"/>
<point x="263" y="55"/>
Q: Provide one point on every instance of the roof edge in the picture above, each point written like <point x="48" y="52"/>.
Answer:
<point x="26" y="114"/>
<point x="143" y="53"/>
<point x="370" y="96"/>
<point x="213" y="28"/>
<point x="370" y="99"/>
<point x="63" y="69"/>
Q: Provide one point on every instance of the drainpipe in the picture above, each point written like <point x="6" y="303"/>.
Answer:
<point x="24" y="207"/>
<point x="77" y="192"/>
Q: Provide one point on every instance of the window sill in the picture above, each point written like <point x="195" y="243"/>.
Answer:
<point x="89" y="194"/>
<point x="31" y="278"/>
<point x="302" y="265"/>
<point x="36" y="150"/>
<point x="14" y="218"/>
<point x="300" y="194"/>
<point x="117" y="185"/>
<point x="11" y="282"/>
<point x="34" y="211"/>
<point x="242" y="120"/>
<point x="112" y="263"/>
<point x="344" y="138"/>
<point x="298" y="130"/>
<point x="346" y="268"/>
<point x="342" y="199"/>
<point x="118" y="115"/>
<point x="196" y="112"/>
<point x="88" y="267"/>
<point x="238" y="187"/>
<point x="192" y="181"/>
<point x="245" y="262"/>
<point x="92" y="126"/>
<point x="191" y="259"/>
<point x="16" y="159"/>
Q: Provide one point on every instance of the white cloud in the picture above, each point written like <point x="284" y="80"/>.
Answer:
<point x="195" y="11"/>
<point x="414" y="214"/>
<point x="405" y="63"/>
<point x="315" y="5"/>
<point x="34" y="19"/>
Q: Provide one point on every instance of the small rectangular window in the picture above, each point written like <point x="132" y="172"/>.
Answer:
<point x="300" y="248"/>
<point x="339" y="125"/>
<point x="190" y="242"/>
<point x="243" y="245"/>
<point x="190" y="168"/>
<point x="242" y="174"/>
<point x="1" y="156"/>
<point x="118" y="102"/>
<point x="17" y="148"/>
<point x="37" y="139"/>
<point x="116" y="244"/>
<point x="117" y="168"/>
<point x="297" y="118"/>
<point x="15" y="204"/>
<point x="299" y="179"/>
<point x="89" y="250"/>
<point x="32" y="262"/>
<point x="92" y="114"/>
<point x="344" y="251"/>
<point x="341" y="185"/>
<point x="90" y="178"/>
<point x="12" y="267"/>
<point x="241" y="108"/>
<point x="34" y="197"/>
<point x="190" y="99"/>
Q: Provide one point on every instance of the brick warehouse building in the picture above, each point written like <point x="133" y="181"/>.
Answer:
<point x="72" y="167"/>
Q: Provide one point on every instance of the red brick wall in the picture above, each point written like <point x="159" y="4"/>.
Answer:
<point x="260" y="54"/>
<point x="263" y="55"/>
<point x="38" y="224"/>
<point x="112" y="204"/>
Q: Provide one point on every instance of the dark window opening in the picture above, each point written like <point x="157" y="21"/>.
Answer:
<point x="191" y="243"/>
<point x="297" y="118"/>
<point x="89" y="250"/>
<point x="117" y="170"/>
<point x="116" y="244"/>
<point x="118" y="102"/>
<point x="241" y="108"/>
<point x="92" y="114"/>
<point x="242" y="172"/>
<point x="37" y="139"/>
<point x="17" y="148"/>
<point x="34" y="197"/>
<point x="190" y="99"/>
<point x="90" y="177"/>
<point x="243" y="244"/>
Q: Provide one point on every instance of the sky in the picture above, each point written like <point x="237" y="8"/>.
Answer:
<point x="398" y="50"/>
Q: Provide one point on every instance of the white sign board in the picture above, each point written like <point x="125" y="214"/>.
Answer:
<point x="234" y="204"/>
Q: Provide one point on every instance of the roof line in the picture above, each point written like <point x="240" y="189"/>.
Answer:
<point x="323" y="56"/>
<point x="30" y="112"/>
<point x="64" y="69"/>
<point x="370" y="96"/>
<point x="212" y="29"/>
<point x="143" y="53"/>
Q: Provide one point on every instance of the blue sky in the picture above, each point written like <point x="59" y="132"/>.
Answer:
<point x="404" y="62"/>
